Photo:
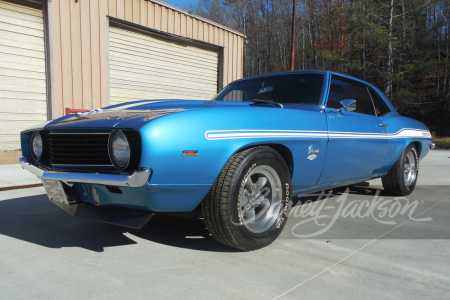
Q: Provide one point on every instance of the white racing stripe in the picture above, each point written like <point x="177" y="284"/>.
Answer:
<point x="256" y="133"/>
<point x="120" y="107"/>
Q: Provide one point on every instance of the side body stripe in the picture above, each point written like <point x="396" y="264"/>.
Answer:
<point x="256" y="133"/>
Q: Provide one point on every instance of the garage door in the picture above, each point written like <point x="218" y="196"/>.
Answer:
<point x="22" y="72"/>
<point x="148" y="67"/>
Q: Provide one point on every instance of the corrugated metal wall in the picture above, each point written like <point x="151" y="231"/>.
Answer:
<point x="78" y="33"/>
<point x="23" y="101"/>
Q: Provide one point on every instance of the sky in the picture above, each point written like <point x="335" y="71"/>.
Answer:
<point x="180" y="3"/>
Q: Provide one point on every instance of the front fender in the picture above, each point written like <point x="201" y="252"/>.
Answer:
<point x="219" y="133"/>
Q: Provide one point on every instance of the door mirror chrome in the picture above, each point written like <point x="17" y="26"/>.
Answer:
<point x="347" y="104"/>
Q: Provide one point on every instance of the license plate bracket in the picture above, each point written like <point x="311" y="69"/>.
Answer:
<point x="55" y="191"/>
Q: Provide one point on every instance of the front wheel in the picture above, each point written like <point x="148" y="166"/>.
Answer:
<point x="401" y="179"/>
<point x="247" y="207"/>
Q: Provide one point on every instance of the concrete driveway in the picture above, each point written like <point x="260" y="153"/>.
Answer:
<point x="401" y="254"/>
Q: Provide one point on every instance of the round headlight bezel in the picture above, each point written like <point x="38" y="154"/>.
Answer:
<point x="112" y="139"/>
<point x="36" y="135"/>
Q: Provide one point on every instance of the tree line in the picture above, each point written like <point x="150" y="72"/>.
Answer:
<point x="400" y="46"/>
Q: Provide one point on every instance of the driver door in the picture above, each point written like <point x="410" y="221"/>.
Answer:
<point x="358" y="142"/>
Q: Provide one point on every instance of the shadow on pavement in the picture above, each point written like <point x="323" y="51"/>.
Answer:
<point x="361" y="188"/>
<point x="36" y="220"/>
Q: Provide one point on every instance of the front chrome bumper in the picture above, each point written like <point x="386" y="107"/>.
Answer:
<point x="432" y="146"/>
<point x="137" y="179"/>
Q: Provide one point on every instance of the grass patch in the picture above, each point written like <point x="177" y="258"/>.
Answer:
<point x="442" y="144"/>
<point x="442" y="139"/>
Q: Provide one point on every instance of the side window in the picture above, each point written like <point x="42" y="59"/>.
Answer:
<point x="342" y="89"/>
<point x="381" y="107"/>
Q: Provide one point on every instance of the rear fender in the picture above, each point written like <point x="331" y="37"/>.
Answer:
<point x="405" y="131"/>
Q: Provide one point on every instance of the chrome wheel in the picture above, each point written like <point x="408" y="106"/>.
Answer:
<point x="409" y="171"/>
<point x="247" y="207"/>
<point x="260" y="199"/>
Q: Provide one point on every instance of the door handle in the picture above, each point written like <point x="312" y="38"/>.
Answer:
<point x="382" y="125"/>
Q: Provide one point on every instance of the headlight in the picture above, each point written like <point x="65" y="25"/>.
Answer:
<point x="36" y="146"/>
<point x="119" y="149"/>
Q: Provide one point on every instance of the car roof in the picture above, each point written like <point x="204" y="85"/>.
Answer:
<point x="301" y="72"/>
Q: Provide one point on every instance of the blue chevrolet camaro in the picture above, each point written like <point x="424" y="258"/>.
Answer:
<point x="239" y="158"/>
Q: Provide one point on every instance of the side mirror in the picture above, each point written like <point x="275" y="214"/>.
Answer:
<point x="347" y="104"/>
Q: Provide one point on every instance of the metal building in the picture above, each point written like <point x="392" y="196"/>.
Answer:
<point x="86" y="54"/>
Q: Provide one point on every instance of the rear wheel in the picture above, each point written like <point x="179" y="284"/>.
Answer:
<point x="401" y="179"/>
<point x="247" y="207"/>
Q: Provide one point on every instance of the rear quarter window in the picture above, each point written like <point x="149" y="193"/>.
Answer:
<point x="381" y="107"/>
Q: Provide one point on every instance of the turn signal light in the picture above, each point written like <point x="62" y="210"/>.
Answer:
<point x="190" y="152"/>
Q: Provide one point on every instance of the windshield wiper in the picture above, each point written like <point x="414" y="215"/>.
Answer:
<point x="258" y="101"/>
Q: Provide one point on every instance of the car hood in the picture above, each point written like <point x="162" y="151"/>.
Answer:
<point x="138" y="113"/>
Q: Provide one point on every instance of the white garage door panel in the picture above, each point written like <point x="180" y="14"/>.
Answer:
<point x="163" y="53"/>
<point x="141" y="77"/>
<point x="162" y="62"/>
<point x="143" y="90"/>
<point x="125" y="95"/>
<point x="21" y="9"/>
<point x="28" y="15"/>
<point x="142" y="45"/>
<point x="16" y="106"/>
<point x="22" y="72"/>
<point x="147" y="67"/>
<point x="16" y="80"/>
<point x="19" y="118"/>
<point x="22" y="44"/>
<point x="156" y="92"/>
<point x="125" y="89"/>
<point x="143" y="70"/>
<point x="157" y="68"/>
<point x="5" y="88"/>
<point x="163" y="83"/>
<point x="142" y="42"/>
<point x="31" y="61"/>
<point x="20" y="22"/>
<point x="165" y="62"/>
<point x="12" y="36"/>
<point x="9" y="141"/>
<point x="12" y="71"/>
<point x="14" y="65"/>
<point x="21" y="30"/>
<point x="23" y="96"/>
<point x="16" y="50"/>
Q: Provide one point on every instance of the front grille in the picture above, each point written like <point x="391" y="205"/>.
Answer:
<point x="78" y="149"/>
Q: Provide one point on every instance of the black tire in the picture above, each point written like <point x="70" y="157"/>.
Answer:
<point x="223" y="211"/>
<point x="394" y="182"/>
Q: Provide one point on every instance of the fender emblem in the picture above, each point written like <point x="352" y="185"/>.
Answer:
<point x="312" y="154"/>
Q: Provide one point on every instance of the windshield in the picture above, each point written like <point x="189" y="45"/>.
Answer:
<point x="289" y="89"/>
